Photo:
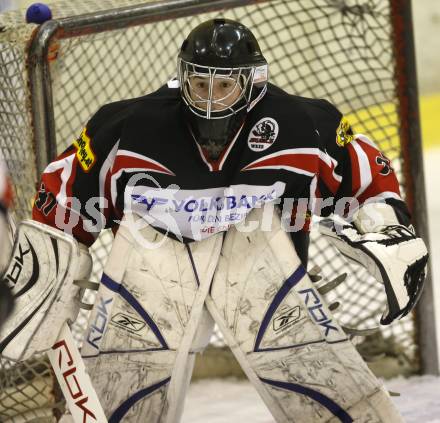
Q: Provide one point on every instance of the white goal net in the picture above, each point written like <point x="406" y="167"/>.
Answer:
<point x="52" y="82"/>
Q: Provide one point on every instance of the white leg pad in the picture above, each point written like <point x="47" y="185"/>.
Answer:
<point x="142" y="328"/>
<point x="285" y="338"/>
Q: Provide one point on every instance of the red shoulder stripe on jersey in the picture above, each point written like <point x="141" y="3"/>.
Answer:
<point x="327" y="174"/>
<point x="72" y="176"/>
<point x="372" y="174"/>
<point x="53" y="198"/>
<point x="132" y="162"/>
<point x="59" y="176"/>
<point x="298" y="160"/>
<point x="54" y="179"/>
<point x="127" y="159"/>
<point x="360" y="168"/>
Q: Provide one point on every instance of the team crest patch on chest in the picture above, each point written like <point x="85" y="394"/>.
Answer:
<point x="263" y="134"/>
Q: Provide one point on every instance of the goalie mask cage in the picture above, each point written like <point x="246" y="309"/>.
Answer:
<point x="358" y="54"/>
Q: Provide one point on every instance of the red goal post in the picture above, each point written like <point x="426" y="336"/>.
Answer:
<point x="358" y="54"/>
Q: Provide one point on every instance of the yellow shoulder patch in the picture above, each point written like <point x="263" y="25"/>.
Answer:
<point x="84" y="152"/>
<point x="344" y="133"/>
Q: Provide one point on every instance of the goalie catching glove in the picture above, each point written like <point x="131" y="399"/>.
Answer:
<point x="393" y="255"/>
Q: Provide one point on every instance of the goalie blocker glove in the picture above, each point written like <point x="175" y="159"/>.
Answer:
<point x="46" y="277"/>
<point x="394" y="256"/>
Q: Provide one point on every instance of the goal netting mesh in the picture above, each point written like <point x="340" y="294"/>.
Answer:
<point x="340" y="50"/>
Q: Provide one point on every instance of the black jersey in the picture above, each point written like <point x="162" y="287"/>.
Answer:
<point x="140" y="155"/>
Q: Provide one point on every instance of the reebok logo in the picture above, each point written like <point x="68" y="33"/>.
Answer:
<point x="316" y="310"/>
<point x="286" y="319"/>
<point x="19" y="283"/>
<point x="128" y="322"/>
<point x="100" y="322"/>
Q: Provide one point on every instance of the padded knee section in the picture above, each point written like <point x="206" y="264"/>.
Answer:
<point x="284" y="336"/>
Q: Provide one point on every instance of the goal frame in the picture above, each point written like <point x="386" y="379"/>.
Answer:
<point x="42" y="111"/>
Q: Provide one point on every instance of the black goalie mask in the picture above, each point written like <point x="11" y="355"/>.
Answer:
<point x="222" y="75"/>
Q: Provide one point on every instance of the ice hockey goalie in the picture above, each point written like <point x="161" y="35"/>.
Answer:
<point x="190" y="179"/>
